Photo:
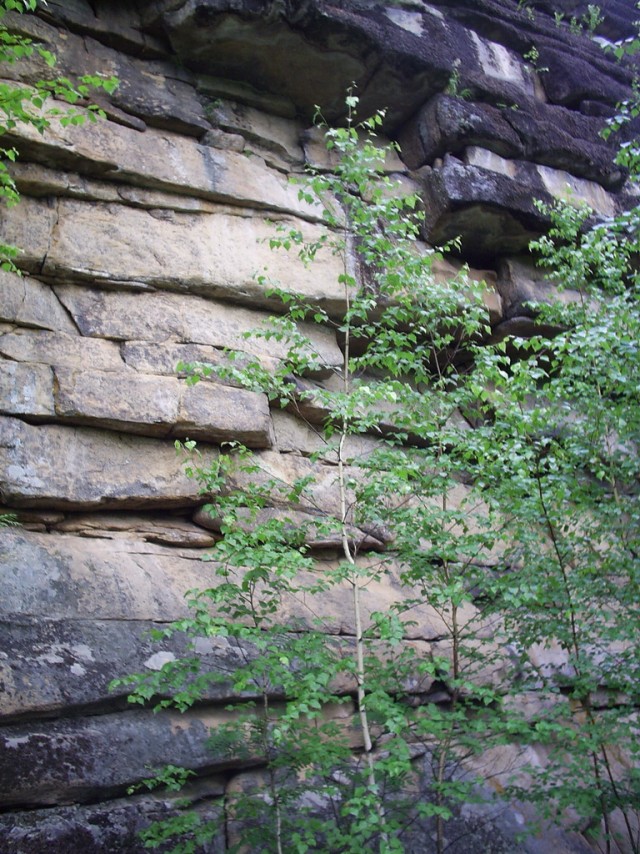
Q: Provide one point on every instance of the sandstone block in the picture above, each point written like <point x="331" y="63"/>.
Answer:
<point x="29" y="226"/>
<point x="274" y="133"/>
<point x="82" y="759"/>
<point x="163" y="358"/>
<point x="62" y="666"/>
<point x="79" y="468"/>
<point x="168" y="318"/>
<point x="109" y="827"/>
<point x="121" y="401"/>
<point x="26" y="389"/>
<point x="66" y="577"/>
<point x="163" y="160"/>
<point x="213" y="255"/>
<point x="522" y="285"/>
<point x="72" y="351"/>
<point x="28" y="302"/>
<point x="219" y="414"/>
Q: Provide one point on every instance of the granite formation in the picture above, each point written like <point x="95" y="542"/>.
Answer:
<point x="141" y="237"/>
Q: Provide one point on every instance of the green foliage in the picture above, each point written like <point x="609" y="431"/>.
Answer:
<point x="31" y="105"/>
<point x="521" y="534"/>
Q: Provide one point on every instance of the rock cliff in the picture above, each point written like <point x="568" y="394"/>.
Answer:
<point x="141" y="236"/>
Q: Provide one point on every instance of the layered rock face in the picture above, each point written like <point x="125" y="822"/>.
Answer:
<point x="141" y="238"/>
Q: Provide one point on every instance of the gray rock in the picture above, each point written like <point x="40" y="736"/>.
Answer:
<point x="111" y="826"/>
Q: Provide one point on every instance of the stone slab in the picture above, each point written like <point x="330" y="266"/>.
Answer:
<point x="165" y="318"/>
<point x="213" y="255"/>
<point x="79" y="468"/>
<point x="26" y="389"/>
<point x="61" y="350"/>
<point x="108" y="827"/>
<point x="29" y="302"/>
<point x="52" y="667"/>
<point x="162" y="160"/>
<point x="86" y="758"/>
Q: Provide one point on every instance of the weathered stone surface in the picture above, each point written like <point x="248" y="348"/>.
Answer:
<point x="29" y="227"/>
<point x="79" y="468"/>
<point x="216" y="255"/>
<point x="489" y="201"/>
<point x="163" y="358"/>
<point x="449" y="125"/>
<point x="81" y="759"/>
<point x="312" y="528"/>
<point x="122" y="212"/>
<point x="60" y="577"/>
<point x="161" y="317"/>
<point x="28" y="302"/>
<point x="66" y="577"/>
<point x="522" y="284"/>
<point x="490" y="211"/>
<point x="48" y="666"/>
<point x="272" y="133"/>
<point x="60" y="350"/>
<point x="109" y="827"/>
<point x="542" y="133"/>
<point x="165" y="530"/>
<point x="397" y="59"/>
<point x="316" y="155"/>
<point x="26" y="389"/>
<point x="162" y="160"/>
<point x="162" y="406"/>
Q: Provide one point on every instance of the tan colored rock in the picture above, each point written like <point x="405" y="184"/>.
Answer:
<point x="28" y="302"/>
<point x="163" y="358"/>
<point x="60" y="350"/>
<point x="161" y="530"/>
<point x="273" y="133"/>
<point x="317" y="156"/>
<point x="213" y="255"/>
<point x="126" y="401"/>
<point x="78" y="468"/>
<point x="68" y="577"/>
<point x="303" y="437"/>
<point x="26" y="389"/>
<point x="522" y="284"/>
<point x="162" y="317"/>
<point x="158" y="530"/>
<point x="164" y="160"/>
<point x="220" y="414"/>
<point x="29" y="226"/>
<point x="308" y="526"/>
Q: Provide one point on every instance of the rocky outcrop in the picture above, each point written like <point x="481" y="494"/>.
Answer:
<point x="144" y="243"/>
